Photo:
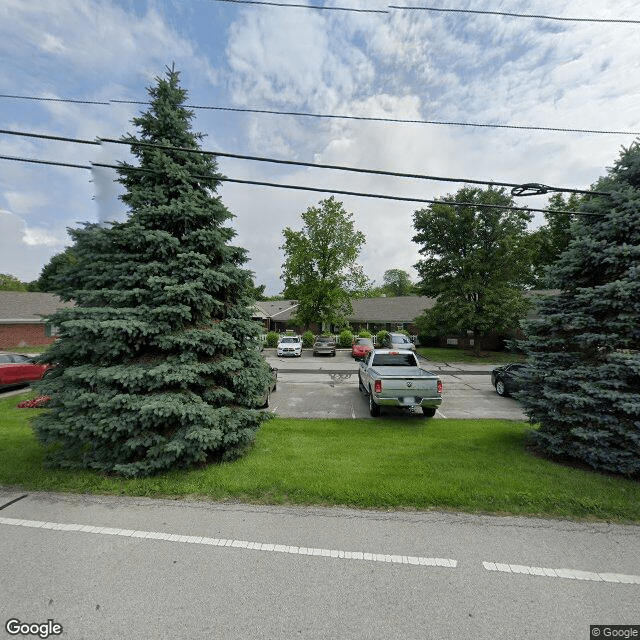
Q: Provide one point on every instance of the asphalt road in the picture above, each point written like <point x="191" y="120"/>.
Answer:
<point x="327" y="387"/>
<point x="132" y="568"/>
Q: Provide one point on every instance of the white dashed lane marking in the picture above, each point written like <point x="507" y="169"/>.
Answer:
<point x="570" y="574"/>
<point x="241" y="544"/>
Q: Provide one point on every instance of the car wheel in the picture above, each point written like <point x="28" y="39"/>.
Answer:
<point x="428" y="412"/>
<point x="374" y="407"/>
<point x="501" y="390"/>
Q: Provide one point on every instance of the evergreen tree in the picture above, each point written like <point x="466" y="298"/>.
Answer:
<point x="157" y="365"/>
<point x="583" y="381"/>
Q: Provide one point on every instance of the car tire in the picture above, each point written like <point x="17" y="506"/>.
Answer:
<point x="501" y="390"/>
<point x="374" y="407"/>
<point x="428" y="412"/>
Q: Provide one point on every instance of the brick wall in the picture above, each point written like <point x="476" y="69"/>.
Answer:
<point x="16" y="335"/>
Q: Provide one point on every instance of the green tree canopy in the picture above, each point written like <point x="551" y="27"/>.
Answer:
<point x="397" y="282"/>
<point x="476" y="262"/>
<point x="11" y="283"/>
<point x="320" y="268"/>
<point x="552" y="238"/>
<point x="156" y="364"/>
<point x="583" y="378"/>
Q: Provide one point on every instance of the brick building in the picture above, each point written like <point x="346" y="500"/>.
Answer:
<point x="22" y="318"/>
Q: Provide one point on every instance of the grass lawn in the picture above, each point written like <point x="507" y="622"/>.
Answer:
<point x="442" y="354"/>
<point x="464" y="465"/>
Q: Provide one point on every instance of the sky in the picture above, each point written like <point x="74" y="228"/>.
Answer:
<point x="377" y="62"/>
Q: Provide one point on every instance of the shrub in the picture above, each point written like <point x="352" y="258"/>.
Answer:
<point x="381" y="336"/>
<point x="345" y="339"/>
<point x="272" y="339"/>
<point x="308" y="339"/>
<point x="364" y="334"/>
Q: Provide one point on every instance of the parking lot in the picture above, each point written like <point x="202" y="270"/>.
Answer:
<point x="327" y="387"/>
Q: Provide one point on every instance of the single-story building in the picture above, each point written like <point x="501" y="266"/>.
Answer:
<point x="22" y="318"/>
<point x="372" y="314"/>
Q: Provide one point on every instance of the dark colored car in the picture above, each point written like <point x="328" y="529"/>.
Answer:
<point x="273" y="383"/>
<point x="507" y="379"/>
<point x="324" y="344"/>
<point x="360" y="348"/>
<point x="17" y="369"/>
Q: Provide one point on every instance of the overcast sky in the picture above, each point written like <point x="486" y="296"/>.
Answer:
<point x="403" y="64"/>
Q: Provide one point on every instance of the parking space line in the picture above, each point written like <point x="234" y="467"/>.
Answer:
<point x="238" y="544"/>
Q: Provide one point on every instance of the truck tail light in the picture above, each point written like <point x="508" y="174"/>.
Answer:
<point x="377" y="386"/>
<point x="439" y="386"/>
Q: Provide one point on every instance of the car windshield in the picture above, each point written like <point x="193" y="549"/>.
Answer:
<point x="364" y="342"/>
<point x="288" y="340"/>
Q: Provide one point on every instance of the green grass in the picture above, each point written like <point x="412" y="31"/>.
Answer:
<point x="478" y="466"/>
<point x="442" y="354"/>
<point x="28" y="349"/>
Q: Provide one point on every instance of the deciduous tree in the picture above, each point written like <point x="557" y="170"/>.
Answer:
<point x="476" y="262"/>
<point x="320" y="268"/>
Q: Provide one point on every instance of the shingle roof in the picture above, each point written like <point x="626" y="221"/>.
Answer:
<point x="281" y="310"/>
<point x="28" y="306"/>
<point x="401" y="309"/>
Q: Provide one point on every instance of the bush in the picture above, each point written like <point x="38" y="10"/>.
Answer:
<point x="345" y="339"/>
<point x="381" y="336"/>
<point x="272" y="339"/>
<point x="364" y="334"/>
<point x="308" y="339"/>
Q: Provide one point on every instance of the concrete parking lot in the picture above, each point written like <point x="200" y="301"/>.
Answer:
<point x="327" y="387"/>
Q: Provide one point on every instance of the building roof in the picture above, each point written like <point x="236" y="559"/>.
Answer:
<point x="376" y="310"/>
<point x="28" y="306"/>
<point x="279" y="310"/>
<point x="400" y="309"/>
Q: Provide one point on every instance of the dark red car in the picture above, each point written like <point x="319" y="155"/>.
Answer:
<point x="17" y="369"/>
<point x="360" y="347"/>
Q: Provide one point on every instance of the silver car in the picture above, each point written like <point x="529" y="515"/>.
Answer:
<point x="397" y="341"/>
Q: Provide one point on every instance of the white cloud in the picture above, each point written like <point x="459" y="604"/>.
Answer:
<point x="24" y="250"/>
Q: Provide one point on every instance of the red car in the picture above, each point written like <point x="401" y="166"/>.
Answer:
<point x="360" y="347"/>
<point x="17" y="370"/>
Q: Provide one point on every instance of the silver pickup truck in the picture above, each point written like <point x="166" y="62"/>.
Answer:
<point x="396" y="379"/>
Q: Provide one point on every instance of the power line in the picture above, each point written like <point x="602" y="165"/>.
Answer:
<point x="302" y="6"/>
<point x="517" y="189"/>
<point x="516" y="15"/>
<point x="521" y="189"/>
<point x="359" y="194"/>
<point x="303" y="114"/>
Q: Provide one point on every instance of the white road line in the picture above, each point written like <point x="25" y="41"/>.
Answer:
<point x="241" y="544"/>
<point x="569" y="574"/>
<point x="440" y="413"/>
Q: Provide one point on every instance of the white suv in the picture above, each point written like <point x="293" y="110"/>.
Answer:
<point x="290" y="346"/>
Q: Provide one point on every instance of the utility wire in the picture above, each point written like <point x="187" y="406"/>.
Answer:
<point x="517" y="189"/>
<point x="300" y="187"/>
<point x="302" y="6"/>
<point x="516" y="15"/>
<point x="522" y="189"/>
<point x="444" y="123"/>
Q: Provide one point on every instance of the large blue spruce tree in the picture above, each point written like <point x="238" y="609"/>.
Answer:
<point x="157" y="365"/>
<point x="583" y="381"/>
